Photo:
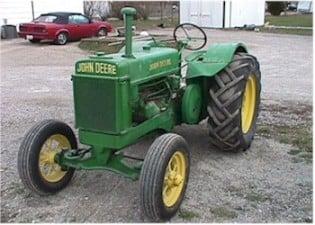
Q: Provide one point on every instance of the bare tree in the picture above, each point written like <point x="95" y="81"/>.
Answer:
<point x="88" y="8"/>
<point x="102" y="9"/>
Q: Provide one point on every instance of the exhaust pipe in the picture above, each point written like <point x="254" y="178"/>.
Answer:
<point x="128" y="13"/>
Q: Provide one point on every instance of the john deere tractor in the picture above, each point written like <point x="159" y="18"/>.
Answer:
<point x="122" y="97"/>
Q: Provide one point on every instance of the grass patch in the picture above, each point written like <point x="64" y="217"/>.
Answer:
<point x="294" y="152"/>
<point x="290" y="21"/>
<point x="147" y="24"/>
<point x="297" y="160"/>
<point x="100" y="45"/>
<point x="223" y="212"/>
<point x="306" y="32"/>
<point x="298" y="136"/>
<point x="306" y="155"/>
<point x="305" y="20"/>
<point x="256" y="197"/>
<point x="17" y="188"/>
<point x="187" y="215"/>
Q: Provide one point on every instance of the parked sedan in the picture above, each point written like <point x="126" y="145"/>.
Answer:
<point x="61" y="27"/>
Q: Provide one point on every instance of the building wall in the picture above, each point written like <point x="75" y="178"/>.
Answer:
<point x="15" y="11"/>
<point x="207" y="13"/>
<point x="239" y="13"/>
<point x="19" y="11"/>
<point x="305" y="6"/>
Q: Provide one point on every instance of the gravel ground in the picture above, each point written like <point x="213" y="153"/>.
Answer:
<point x="263" y="184"/>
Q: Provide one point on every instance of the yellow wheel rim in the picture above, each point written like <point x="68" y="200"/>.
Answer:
<point x="174" y="179"/>
<point x="249" y="104"/>
<point x="48" y="168"/>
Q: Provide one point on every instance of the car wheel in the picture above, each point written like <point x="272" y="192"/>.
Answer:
<point x="62" y="38"/>
<point x="102" y="32"/>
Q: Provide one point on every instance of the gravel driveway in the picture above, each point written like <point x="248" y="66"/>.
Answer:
<point x="271" y="182"/>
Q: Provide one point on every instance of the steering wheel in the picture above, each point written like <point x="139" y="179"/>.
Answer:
<point x="194" y="37"/>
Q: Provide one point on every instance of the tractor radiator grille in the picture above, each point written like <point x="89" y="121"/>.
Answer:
<point x="95" y="103"/>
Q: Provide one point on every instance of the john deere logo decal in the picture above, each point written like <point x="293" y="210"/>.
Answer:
<point x="160" y="64"/>
<point x="96" y="68"/>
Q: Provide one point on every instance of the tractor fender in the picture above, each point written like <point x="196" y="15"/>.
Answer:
<point x="208" y="63"/>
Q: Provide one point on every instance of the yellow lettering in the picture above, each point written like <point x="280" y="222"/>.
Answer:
<point x="97" y="67"/>
<point x="160" y="64"/>
<point x="85" y="68"/>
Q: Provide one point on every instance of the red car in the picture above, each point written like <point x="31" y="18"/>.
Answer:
<point x="61" y="27"/>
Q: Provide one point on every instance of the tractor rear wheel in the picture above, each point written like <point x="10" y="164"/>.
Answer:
<point x="164" y="177"/>
<point x="36" y="158"/>
<point x="234" y="98"/>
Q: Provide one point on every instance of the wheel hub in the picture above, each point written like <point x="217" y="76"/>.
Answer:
<point x="174" y="179"/>
<point x="49" y="169"/>
<point x="248" y="104"/>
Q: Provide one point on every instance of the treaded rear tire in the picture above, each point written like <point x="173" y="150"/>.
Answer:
<point x="28" y="156"/>
<point x="152" y="176"/>
<point x="225" y="103"/>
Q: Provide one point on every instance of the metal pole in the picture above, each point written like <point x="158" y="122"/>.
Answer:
<point x="32" y="5"/>
<point x="128" y="13"/>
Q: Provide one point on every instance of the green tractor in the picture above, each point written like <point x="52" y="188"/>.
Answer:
<point x="122" y="97"/>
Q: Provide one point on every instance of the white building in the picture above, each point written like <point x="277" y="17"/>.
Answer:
<point x="305" y="6"/>
<point x="15" y="12"/>
<point x="222" y="14"/>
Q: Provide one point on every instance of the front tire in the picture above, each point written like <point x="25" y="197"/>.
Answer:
<point x="36" y="158"/>
<point x="62" y="38"/>
<point x="164" y="177"/>
<point x="234" y="99"/>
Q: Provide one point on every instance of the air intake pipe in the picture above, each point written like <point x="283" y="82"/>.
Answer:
<point x="128" y="14"/>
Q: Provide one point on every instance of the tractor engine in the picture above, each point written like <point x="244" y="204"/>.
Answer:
<point x="113" y="93"/>
<point x="154" y="97"/>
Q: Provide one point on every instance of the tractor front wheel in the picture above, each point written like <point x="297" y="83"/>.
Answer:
<point x="36" y="158"/>
<point x="164" y="177"/>
<point x="234" y="98"/>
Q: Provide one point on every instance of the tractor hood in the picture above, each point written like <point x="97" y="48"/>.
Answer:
<point x="150" y="61"/>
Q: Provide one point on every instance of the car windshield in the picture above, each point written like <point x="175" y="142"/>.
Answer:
<point x="46" y="19"/>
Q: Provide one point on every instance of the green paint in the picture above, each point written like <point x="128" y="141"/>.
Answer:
<point x="100" y="159"/>
<point x="191" y="104"/>
<point x="209" y="63"/>
<point x="119" y="98"/>
<point x="128" y="13"/>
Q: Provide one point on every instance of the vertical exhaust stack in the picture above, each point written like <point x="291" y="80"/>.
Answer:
<point x="128" y="14"/>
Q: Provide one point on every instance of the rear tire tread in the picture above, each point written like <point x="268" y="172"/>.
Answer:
<point x="225" y="102"/>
